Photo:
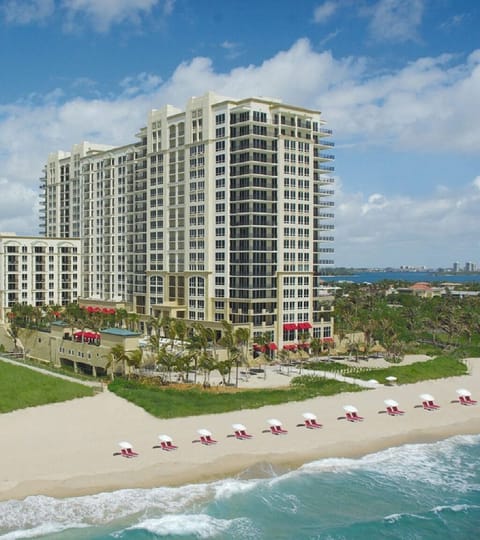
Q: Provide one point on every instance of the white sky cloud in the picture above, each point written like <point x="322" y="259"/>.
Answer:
<point x="324" y="11"/>
<point x="24" y="12"/>
<point x="368" y="224"/>
<point x="103" y="14"/>
<point x="432" y="104"/>
<point x="396" y="20"/>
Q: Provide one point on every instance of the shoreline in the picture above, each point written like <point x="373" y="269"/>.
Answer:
<point x="241" y="466"/>
<point x="66" y="450"/>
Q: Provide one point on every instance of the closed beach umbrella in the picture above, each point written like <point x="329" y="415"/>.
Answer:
<point x="204" y="433"/>
<point x="309" y="416"/>
<point x="165" y="438"/>
<point x="239" y="427"/>
<point x="463" y="392"/>
<point x="427" y="397"/>
<point x="274" y="422"/>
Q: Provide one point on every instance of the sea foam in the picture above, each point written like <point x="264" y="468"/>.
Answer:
<point x="198" y="525"/>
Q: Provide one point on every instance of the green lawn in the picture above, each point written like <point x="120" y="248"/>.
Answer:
<point x="164" y="402"/>
<point x="440" y="367"/>
<point x="170" y="402"/>
<point x="21" y="387"/>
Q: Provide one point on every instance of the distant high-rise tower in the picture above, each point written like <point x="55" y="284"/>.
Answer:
<point x="219" y="211"/>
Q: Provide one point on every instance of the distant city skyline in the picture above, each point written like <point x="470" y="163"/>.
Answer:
<point x="398" y="81"/>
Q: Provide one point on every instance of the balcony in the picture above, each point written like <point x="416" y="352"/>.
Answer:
<point x="325" y="157"/>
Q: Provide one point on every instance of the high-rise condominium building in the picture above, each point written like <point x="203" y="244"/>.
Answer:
<point x="219" y="211"/>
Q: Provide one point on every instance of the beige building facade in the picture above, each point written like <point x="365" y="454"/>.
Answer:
<point x="38" y="271"/>
<point x="222" y="210"/>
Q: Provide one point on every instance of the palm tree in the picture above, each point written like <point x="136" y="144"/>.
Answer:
<point x="166" y="358"/>
<point x="135" y="358"/>
<point x="242" y="340"/>
<point x="207" y="364"/>
<point x="233" y="352"/>
<point x="116" y="356"/>
<point x="14" y="333"/>
<point x="196" y="344"/>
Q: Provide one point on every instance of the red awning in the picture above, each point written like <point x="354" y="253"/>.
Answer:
<point x="289" y="326"/>
<point x="272" y="346"/>
<point x="304" y="326"/>
<point x="304" y="345"/>
<point x="327" y="339"/>
<point x="290" y="347"/>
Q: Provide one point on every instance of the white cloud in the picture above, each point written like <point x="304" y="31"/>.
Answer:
<point x="105" y="13"/>
<point x="25" y="12"/>
<point x="395" y="230"/>
<point x="396" y="20"/>
<point x="100" y="15"/>
<point x="432" y="105"/>
<point x="233" y="49"/>
<point x="324" y="11"/>
<point x="143" y="83"/>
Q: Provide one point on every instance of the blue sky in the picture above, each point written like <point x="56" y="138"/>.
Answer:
<point x="398" y="81"/>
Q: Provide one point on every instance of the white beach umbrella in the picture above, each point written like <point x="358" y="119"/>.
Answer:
<point x="372" y="382"/>
<point x="165" y="438"/>
<point x="125" y="445"/>
<point x="274" y="422"/>
<point x="427" y="397"/>
<point x="391" y="403"/>
<point x="391" y="378"/>
<point x="204" y="433"/>
<point x="309" y="416"/>
<point x="239" y="427"/>
<point x="463" y="392"/>
<point x="350" y="409"/>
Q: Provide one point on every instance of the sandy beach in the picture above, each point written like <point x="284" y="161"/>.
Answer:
<point x="67" y="449"/>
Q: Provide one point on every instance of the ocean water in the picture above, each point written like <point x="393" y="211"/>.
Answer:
<point x="416" y="491"/>
<point x="414" y="277"/>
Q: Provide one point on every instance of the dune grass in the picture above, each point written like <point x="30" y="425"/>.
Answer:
<point x="21" y="387"/>
<point x="168" y="402"/>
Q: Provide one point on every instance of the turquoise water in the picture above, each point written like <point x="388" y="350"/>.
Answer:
<point x="374" y="277"/>
<point x="423" y="491"/>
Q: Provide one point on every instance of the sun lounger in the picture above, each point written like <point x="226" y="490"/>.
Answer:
<point x="394" y="411"/>
<point x="392" y="408"/>
<point x="428" y="402"/>
<point x="276" y="427"/>
<point x="430" y="406"/>
<point x="465" y="397"/>
<point x="206" y="437"/>
<point x="126" y="449"/>
<point x="311" y="421"/>
<point x="240" y="432"/>
<point x="166" y="443"/>
<point x="351" y="414"/>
